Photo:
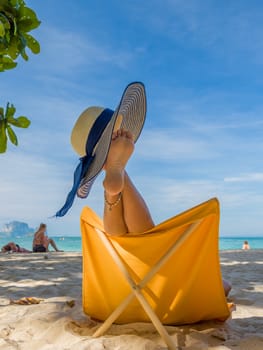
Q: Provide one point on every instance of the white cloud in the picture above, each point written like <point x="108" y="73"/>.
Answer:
<point x="171" y="145"/>
<point x="70" y="53"/>
<point x="225" y="30"/>
<point x="250" y="177"/>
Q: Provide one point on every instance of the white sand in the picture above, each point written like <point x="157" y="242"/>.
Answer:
<point x="53" y="324"/>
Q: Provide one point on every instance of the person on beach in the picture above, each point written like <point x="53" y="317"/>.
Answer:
<point x="12" y="247"/>
<point x="246" y="245"/>
<point x="105" y="140"/>
<point x="41" y="241"/>
<point x="125" y="210"/>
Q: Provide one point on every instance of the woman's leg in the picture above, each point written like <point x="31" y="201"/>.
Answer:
<point x="113" y="218"/>
<point x="53" y="244"/>
<point x="125" y="210"/>
<point x="136" y="213"/>
<point x="121" y="149"/>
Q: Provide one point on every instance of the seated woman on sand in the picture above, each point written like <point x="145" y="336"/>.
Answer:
<point x="105" y="140"/>
<point x="41" y="241"/>
<point x="12" y="247"/>
<point x="125" y="210"/>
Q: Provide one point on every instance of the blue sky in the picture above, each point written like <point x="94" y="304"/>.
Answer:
<point x="202" y="65"/>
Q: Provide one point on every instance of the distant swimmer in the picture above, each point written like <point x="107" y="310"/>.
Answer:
<point x="246" y="246"/>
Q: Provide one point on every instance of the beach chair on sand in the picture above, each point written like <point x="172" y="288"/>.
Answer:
<point x="169" y="275"/>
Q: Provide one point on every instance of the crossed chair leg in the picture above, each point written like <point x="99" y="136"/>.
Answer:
<point x="136" y="288"/>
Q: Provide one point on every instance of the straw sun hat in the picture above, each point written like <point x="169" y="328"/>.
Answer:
<point x="92" y="133"/>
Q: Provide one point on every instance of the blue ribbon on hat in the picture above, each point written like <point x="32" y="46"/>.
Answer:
<point x="95" y="133"/>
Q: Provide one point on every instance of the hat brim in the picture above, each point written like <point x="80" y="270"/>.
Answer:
<point x="132" y="108"/>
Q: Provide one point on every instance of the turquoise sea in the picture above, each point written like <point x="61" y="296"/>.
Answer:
<point x="73" y="243"/>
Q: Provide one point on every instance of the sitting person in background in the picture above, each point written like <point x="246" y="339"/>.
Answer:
<point x="246" y="246"/>
<point x="41" y="241"/>
<point x="12" y="247"/>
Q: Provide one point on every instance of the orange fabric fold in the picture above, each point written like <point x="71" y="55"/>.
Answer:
<point x="188" y="288"/>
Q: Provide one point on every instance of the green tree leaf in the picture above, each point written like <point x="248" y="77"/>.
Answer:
<point x="6" y="120"/>
<point x="27" y="19"/>
<point x="24" y="55"/>
<point x="3" y="137"/>
<point x="6" y="63"/>
<point x="13" y="51"/>
<point x="11" y="135"/>
<point x="2" y="29"/>
<point x="20" y="122"/>
<point x="10" y="111"/>
<point x="16" y="20"/>
<point x="32" y="43"/>
<point x="4" y="20"/>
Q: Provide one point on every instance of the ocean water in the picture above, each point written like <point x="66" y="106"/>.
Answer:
<point x="73" y="243"/>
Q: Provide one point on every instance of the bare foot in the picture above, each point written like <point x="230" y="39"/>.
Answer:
<point x="121" y="149"/>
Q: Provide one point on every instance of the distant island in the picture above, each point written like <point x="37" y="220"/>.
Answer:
<point x="16" y="229"/>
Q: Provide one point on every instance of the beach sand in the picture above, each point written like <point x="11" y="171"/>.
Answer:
<point x="58" y="321"/>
